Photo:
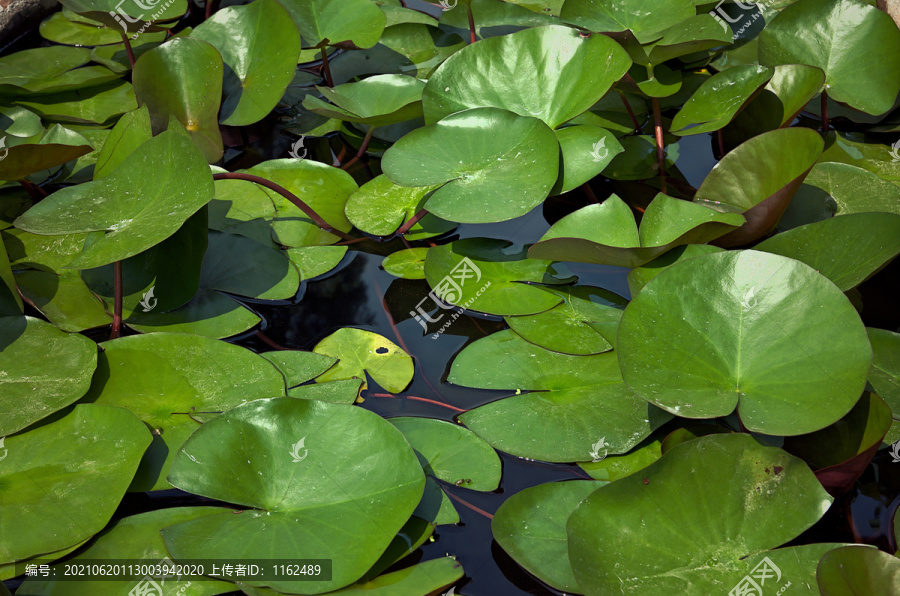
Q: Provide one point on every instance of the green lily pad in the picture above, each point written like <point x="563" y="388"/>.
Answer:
<point x="672" y="529"/>
<point x="406" y="264"/>
<point x="131" y="16"/>
<point x="531" y="526"/>
<point x="10" y="302"/>
<point x="608" y="235"/>
<point x="695" y="34"/>
<point x="29" y="67"/>
<point x="758" y="179"/>
<point x="299" y="367"/>
<point x="640" y="276"/>
<point x="613" y="467"/>
<point x="493" y="164"/>
<point x="380" y="207"/>
<point x="645" y="19"/>
<point x="536" y="73"/>
<point x="885" y="373"/>
<point x="259" y="44"/>
<point x="145" y="200"/>
<point x="572" y="327"/>
<point x="826" y="246"/>
<point x="335" y="21"/>
<point x="435" y="505"/>
<point x="64" y="299"/>
<point x="209" y="313"/>
<point x="359" y="351"/>
<point x="55" y="147"/>
<point x="492" y="18"/>
<point x="851" y="148"/>
<point x="857" y="569"/>
<point x="296" y="452"/>
<point x="239" y="265"/>
<point x="44" y="370"/>
<point x="638" y="161"/>
<point x="174" y="383"/>
<point x="452" y="453"/>
<point x="130" y="132"/>
<point x="787" y="93"/>
<point x="313" y="261"/>
<point x="848" y="33"/>
<point x="719" y="99"/>
<point x="59" y="29"/>
<point x="409" y="48"/>
<point x="322" y="187"/>
<point x="334" y="392"/>
<point x="585" y="151"/>
<point x="115" y="57"/>
<point x="136" y="538"/>
<point x="93" y="105"/>
<point x="577" y="405"/>
<point x="19" y="122"/>
<point x="376" y="101"/>
<point x="729" y="345"/>
<point x="76" y="79"/>
<point x="483" y="275"/>
<point x="55" y="498"/>
<point x="183" y="78"/>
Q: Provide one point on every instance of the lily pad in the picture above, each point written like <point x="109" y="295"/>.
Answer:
<point x="183" y="78"/>
<point x="638" y="161"/>
<point x="359" y="351"/>
<point x="155" y="190"/>
<point x="719" y="99"/>
<point x="313" y="261"/>
<point x="130" y="15"/>
<point x="826" y="246"/>
<point x="299" y="367"/>
<point x="640" y="276"/>
<point x="451" y="453"/>
<point x="646" y="20"/>
<point x="55" y="498"/>
<point x="573" y="327"/>
<point x="493" y="164"/>
<point x="376" y="101"/>
<point x="757" y="315"/>
<point x="885" y="373"/>
<point x="758" y="179"/>
<point x="608" y="235"/>
<point x="483" y="275"/>
<point x="55" y="147"/>
<point x="44" y="370"/>
<point x="585" y="151"/>
<point x="613" y="467"/>
<point x="174" y="383"/>
<point x="576" y="402"/>
<point x="91" y="105"/>
<point x="380" y="207"/>
<point x="28" y="67"/>
<point x="209" y="313"/>
<point x="531" y="526"/>
<point x="851" y="75"/>
<point x="407" y="264"/>
<point x="670" y="529"/>
<point x="64" y="299"/>
<point x="335" y="21"/>
<point x="537" y="73"/>
<point x="296" y="452"/>
<point x="851" y="148"/>
<point x="857" y="569"/>
<point x="259" y="44"/>
<point x="130" y="132"/>
<point x="10" y="302"/>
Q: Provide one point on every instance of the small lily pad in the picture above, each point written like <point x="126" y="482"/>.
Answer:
<point x="359" y="351"/>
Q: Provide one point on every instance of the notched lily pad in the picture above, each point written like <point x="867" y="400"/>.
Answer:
<point x="359" y="351"/>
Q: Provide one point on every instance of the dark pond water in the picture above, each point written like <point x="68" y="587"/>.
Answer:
<point x="360" y="294"/>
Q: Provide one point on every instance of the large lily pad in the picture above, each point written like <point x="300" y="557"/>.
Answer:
<point x="577" y="404"/>
<point x="64" y="480"/>
<point x="259" y="44"/>
<point x="130" y="132"/>
<point x="857" y="569"/>
<point x="92" y="105"/>
<point x="335" y="21"/>
<point x="826" y="246"/>
<point x="375" y="101"/>
<point x="752" y="317"/>
<point x="183" y="78"/>
<point x="44" y="370"/>
<point x="550" y="73"/>
<point x="759" y="178"/>
<point x="174" y="383"/>
<point x="144" y="201"/>
<point x="359" y="351"/>
<point x="531" y="526"/>
<point x="29" y="67"/>
<point x="607" y="233"/>
<point x="452" y="453"/>
<point x="840" y="37"/>
<point x="719" y="99"/>
<point x="380" y="207"/>
<point x="646" y="20"/>
<point x="288" y="460"/>
<point x="484" y="275"/>
<point x="493" y="164"/>
<point x="672" y="529"/>
<point x="640" y="276"/>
